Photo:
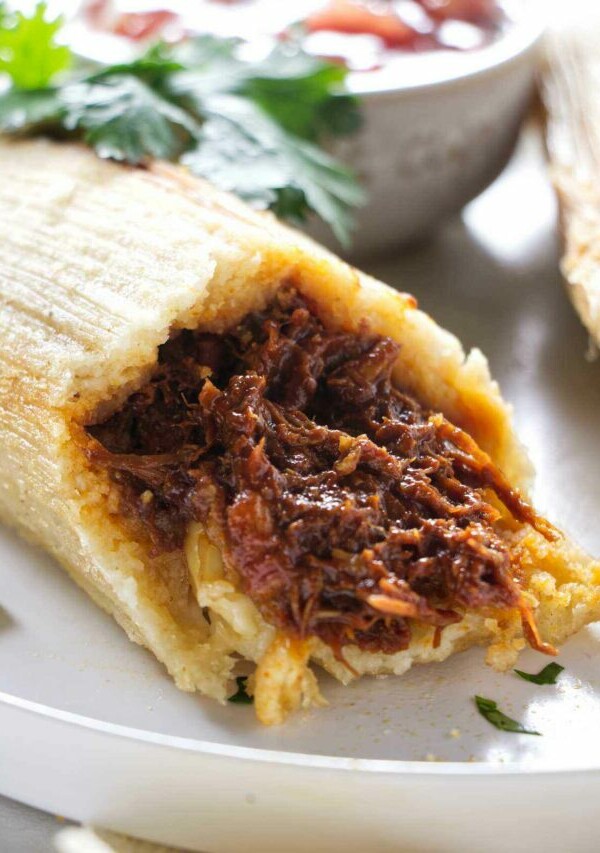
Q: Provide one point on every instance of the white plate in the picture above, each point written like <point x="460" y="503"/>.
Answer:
<point x="91" y="728"/>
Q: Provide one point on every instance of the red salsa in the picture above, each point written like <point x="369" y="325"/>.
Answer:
<point x="363" y="34"/>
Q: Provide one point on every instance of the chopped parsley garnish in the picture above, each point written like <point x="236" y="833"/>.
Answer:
<point x="253" y="128"/>
<point x="240" y="697"/>
<point x="547" y="675"/>
<point x="489" y="709"/>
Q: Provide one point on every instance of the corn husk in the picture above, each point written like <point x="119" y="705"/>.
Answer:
<point x="571" y="93"/>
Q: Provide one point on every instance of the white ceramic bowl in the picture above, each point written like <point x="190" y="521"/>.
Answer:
<point x="438" y="128"/>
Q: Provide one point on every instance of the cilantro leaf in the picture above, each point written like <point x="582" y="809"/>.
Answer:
<point x="302" y="93"/>
<point x="250" y="127"/>
<point x="489" y="709"/>
<point x="26" y="109"/>
<point x="241" y="697"/>
<point x="124" y="119"/>
<point x="154" y="67"/>
<point x="28" y="50"/>
<point x="243" y="150"/>
<point x="330" y="189"/>
<point x="238" y="151"/>
<point x="547" y="675"/>
<point x="202" y="51"/>
<point x="208" y="66"/>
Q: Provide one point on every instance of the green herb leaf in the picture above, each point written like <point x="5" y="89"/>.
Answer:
<point x="208" y="67"/>
<point x="489" y="709"/>
<point x="547" y="675"/>
<point x="330" y="189"/>
<point x="26" y="109"/>
<point x="124" y="119"/>
<point x="238" y="150"/>
<point x="29" y="53"/>
<point x="154" y="67"/>
<point x="302" y="93"/>
<point x="202" y="51"/>
<point x="245" y="151"/>
<point x="250" y="127"/>
<point x="240" y="697"/>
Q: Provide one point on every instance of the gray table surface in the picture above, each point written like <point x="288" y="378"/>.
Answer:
<point x="505" y="243"/>
<point x="25" y="830"/>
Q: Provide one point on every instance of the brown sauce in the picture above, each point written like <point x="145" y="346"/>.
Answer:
<point x="347" y="509"/>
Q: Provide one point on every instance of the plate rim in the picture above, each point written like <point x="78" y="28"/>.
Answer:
<point x="287" y="758"/>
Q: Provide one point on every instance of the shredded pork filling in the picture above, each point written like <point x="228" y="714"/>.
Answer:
<point x="346" y="508"/>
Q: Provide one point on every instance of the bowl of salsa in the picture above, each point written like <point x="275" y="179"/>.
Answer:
<point x="444" y="86"/>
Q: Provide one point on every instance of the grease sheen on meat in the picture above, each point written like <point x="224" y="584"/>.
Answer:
<point x="347" y="509"/>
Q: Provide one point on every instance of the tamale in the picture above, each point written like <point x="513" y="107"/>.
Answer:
<point x="247" y="451"/>
<point x="571" y="92"/>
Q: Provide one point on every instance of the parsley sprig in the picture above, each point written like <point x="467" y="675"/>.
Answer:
<point x="253" y="128"/>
